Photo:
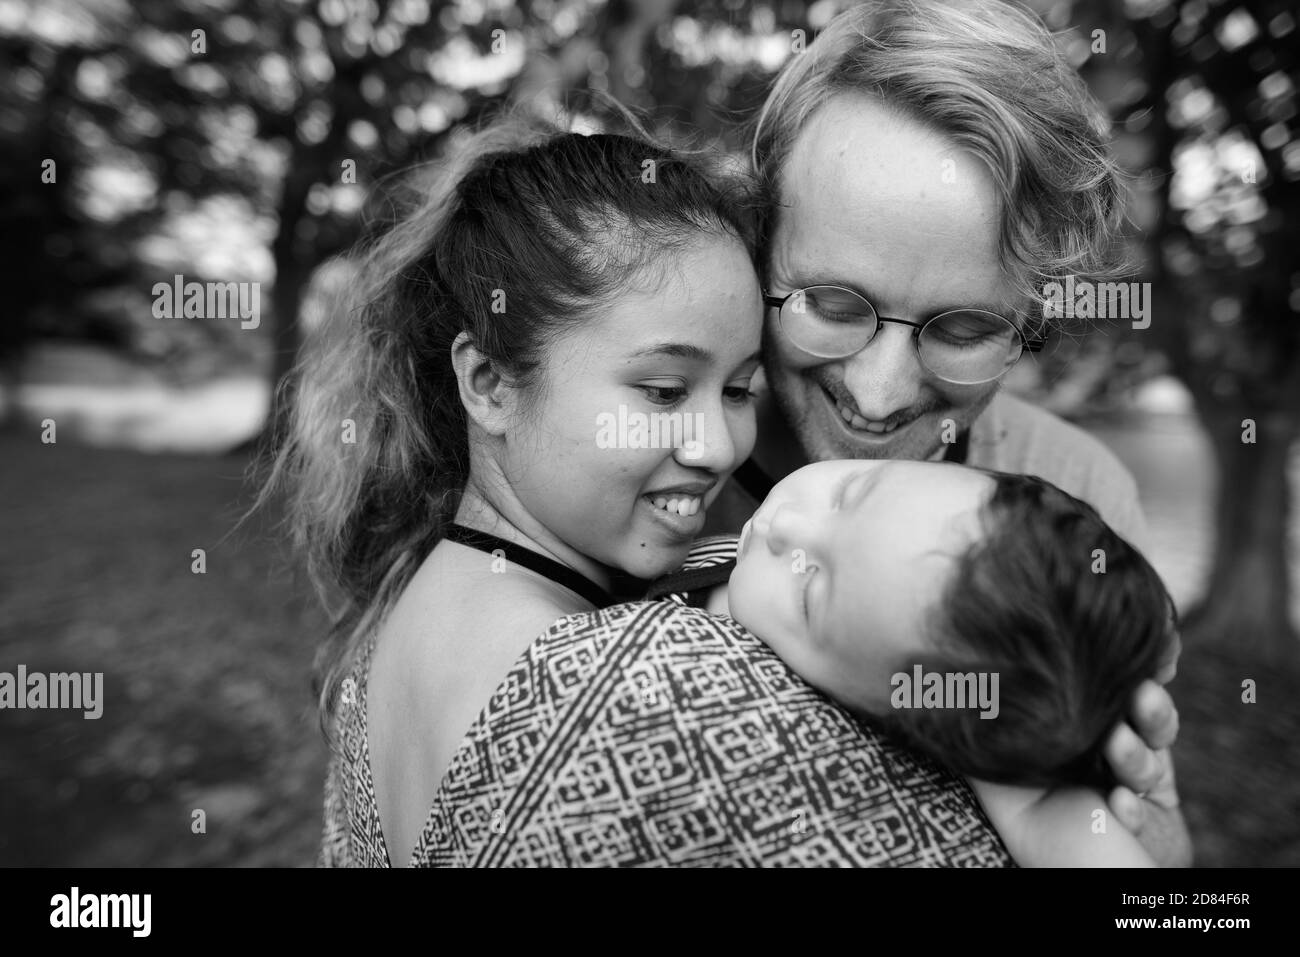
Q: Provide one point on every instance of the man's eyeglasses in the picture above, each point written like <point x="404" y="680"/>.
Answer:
<point x="963" y="346"/>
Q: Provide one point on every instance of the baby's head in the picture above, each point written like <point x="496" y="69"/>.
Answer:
<point x="857" y="572"/>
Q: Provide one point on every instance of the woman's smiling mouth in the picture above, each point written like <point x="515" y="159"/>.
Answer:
<point x="680" y="508"/>
<point x="684" y="505"/>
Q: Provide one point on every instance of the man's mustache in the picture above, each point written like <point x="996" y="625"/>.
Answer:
<point x="901" y="417"/>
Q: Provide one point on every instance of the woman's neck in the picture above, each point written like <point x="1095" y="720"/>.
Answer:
<point x="492" y="507"/>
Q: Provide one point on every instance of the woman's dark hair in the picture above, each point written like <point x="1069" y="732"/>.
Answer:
<point x="523" y="233"/>
<point x="1069" y="615"/>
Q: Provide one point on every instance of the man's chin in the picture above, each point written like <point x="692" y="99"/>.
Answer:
<point x="902" y="448"/>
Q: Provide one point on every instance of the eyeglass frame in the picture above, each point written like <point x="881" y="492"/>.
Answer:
<point x="1027" y="343"/>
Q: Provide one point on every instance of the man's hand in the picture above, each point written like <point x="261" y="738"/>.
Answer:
<point x="1146" y="800"/>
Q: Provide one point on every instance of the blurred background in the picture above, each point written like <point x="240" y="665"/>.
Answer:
<point x="241" y="141"/>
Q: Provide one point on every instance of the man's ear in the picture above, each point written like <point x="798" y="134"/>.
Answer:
<point x="487" y="397"/>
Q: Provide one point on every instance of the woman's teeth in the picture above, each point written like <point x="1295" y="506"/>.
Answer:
<point x="684" y="505"/>
<point x="858" y="422"/>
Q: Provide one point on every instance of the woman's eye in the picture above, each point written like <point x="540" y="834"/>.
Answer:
<point x="664" y="394"/>
<point x="738" y="393"/>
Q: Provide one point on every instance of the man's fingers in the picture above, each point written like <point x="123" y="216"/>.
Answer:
<point x="1154" y="716"/>
<point x="1128" y="809"/>
<point x="1135" y="765"/>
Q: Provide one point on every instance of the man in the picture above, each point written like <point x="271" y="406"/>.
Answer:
<point x="928" y="168"/>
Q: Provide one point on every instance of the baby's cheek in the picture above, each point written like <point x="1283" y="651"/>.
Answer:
<point x="816" y="659"/>
<point x="857" y="669"/>
<point x="790" y="645"/>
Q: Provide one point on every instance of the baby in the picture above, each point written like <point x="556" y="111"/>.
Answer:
<point x="989" y="620"/>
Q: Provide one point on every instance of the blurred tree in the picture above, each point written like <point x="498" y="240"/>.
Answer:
<point x="50" y="256"/>
<point x="1221" y="112"/>
<point x="297" y="108"/>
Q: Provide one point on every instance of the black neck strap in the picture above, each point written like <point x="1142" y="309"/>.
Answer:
<point x="690" y="580"/>
<point x="527" y="558"/>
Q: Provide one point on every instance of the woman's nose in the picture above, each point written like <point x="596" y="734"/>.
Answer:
<point x="708" y="442"/>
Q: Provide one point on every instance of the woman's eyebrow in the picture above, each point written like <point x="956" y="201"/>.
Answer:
<point x="686" y="350"/>
<point x="675" y="350"/>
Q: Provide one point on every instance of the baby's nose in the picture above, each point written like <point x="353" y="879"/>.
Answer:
<point x="786" y="527"/>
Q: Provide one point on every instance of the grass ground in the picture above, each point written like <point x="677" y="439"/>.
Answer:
<point x="206" y="676"/>
<point x="208" y="704"/>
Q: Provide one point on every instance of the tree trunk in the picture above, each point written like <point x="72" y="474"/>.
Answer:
<point x="291" y="274"/>
<point x="1248" y="595"/>
<point x="286" y="299"/>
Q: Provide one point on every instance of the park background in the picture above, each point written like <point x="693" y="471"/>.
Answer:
<point x="224" y="155"/>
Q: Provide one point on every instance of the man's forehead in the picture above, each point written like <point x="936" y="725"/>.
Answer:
<point x="910" y="276"/>
<point x="897" y="232"/>
<point x="857" y="138"/>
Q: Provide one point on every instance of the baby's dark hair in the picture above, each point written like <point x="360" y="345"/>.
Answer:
<point x="1070" y="616"/>
<point x="554" y="222"/>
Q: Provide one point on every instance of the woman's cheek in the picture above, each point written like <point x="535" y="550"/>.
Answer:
<point x="744" y="432"/>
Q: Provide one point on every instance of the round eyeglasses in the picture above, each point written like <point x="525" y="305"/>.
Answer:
<point x="962" y="346"/>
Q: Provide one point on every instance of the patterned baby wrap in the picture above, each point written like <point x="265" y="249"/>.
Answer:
<point x="653" y="734"/>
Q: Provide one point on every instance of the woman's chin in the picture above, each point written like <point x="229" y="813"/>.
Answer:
<point x="650" y="560"/>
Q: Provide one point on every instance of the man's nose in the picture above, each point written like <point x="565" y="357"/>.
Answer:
<point x="887" y="375"/>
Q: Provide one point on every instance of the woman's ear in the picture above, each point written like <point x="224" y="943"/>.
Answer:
<point x="487" y="397"/>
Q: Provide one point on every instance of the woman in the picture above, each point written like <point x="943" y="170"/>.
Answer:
<point x="475" y="529"/>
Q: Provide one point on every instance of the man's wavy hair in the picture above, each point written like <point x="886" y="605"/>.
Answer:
<point x="988" y="75"/>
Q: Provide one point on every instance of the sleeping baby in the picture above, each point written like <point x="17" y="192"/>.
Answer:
<point x="986" y="619"/>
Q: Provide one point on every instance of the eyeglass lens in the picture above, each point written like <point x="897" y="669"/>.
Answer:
<point x="966" y="346"/>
